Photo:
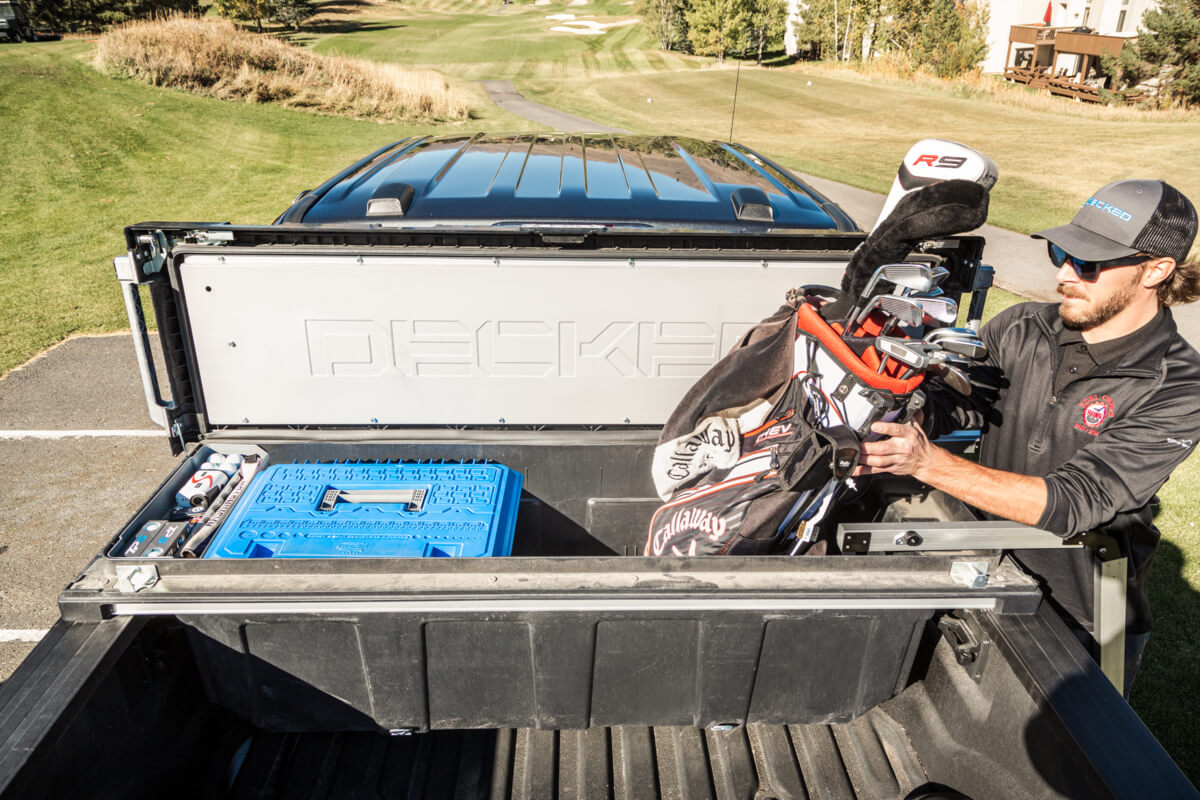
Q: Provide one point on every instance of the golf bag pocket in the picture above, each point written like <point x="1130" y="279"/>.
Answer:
<point x="739" y="516"/>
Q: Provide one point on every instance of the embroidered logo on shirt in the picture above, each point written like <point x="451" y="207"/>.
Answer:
<point x="1096" y="409"/>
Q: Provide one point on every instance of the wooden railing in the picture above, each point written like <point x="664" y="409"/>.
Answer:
<point x="1039" y="78"/>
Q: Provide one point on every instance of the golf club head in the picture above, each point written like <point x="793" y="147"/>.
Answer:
<point x="972" y="349"/>
<point x="939" y="333"/>
<point x="938" y="310"/>
<point x="909" y="353"/>
<point x="904" y="275"/>
<point x="946" y="358"/>
<point x="938" y="274"/>
<point x="953" y="377"/>
<point x="905" y="311"/>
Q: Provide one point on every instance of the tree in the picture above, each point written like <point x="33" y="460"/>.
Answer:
<point x="766" y="22"/>
<point x="292" y="12"/>
<point x="71" y="16"/>
<point x="816" y="28"/>
<point x="717" y="27"/>
<point x="1168" y="48"/>
<point x="666" y="21"/>
<point x="949" y="36"/>
<point x="250" y="10"/>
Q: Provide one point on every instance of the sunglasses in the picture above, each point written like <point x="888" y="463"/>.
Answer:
<point x="1090" y="270"/>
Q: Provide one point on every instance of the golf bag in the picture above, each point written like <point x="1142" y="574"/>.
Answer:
<point x="763" y="444"/>
<point x="761" y="447"/>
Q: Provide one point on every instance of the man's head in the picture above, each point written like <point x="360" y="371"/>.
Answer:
<point x="1126" y="248"/>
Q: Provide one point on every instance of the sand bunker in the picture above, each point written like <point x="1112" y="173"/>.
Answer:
<point x="589" y="27"/>
<point x="560" y="17"/>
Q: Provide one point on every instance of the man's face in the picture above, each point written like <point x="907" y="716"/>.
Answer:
<point x="1086" y="305"/>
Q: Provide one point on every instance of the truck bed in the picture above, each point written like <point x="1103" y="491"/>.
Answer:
<point x="116" y="709"/>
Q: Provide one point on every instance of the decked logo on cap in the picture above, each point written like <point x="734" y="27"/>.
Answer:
<point x="1096" y="409"/>
<point x="1109" y="208"/>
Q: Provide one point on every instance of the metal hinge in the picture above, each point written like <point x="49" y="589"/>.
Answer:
<point x="153" y="252"/>
<point x="209" y="237"/>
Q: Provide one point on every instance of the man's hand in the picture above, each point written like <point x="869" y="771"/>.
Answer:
<point x="906" y="451"/>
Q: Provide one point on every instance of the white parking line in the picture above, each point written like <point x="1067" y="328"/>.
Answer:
<point x="79" y="434"/>
<point x="17" y="635"/>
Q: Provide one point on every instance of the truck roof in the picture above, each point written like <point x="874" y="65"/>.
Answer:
<point x="597" y="180"/>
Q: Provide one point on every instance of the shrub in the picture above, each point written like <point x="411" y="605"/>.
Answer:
<point x="215" y="58"/>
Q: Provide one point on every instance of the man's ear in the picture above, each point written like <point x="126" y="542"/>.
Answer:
<point x="1157" y="270"/>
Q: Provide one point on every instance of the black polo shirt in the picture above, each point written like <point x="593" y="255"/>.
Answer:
<point x="1079" y="358"/>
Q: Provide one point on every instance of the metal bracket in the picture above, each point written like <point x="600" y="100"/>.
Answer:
<point x="132" y="578"/>
<point x="896" y="537"/>
<point x="972" y="574"/>
<point x="1108" y="617"/>
<point x="983" y="281"/>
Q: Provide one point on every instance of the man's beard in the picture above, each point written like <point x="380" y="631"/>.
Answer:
<point x="1087" y="319"/>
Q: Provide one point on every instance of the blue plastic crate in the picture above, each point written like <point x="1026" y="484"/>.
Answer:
<point x="373" y="510"/>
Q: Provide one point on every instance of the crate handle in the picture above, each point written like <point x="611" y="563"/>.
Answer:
<point x="414" y="498"/>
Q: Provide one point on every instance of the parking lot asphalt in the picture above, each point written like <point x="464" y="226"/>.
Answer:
<point x="65" y="489"/>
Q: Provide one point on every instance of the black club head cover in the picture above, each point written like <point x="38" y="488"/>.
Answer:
<point x="941" y="209"/>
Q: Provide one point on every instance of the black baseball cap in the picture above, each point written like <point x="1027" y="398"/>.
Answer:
<point x="1129" y="217"/>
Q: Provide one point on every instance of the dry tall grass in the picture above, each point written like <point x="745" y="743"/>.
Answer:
<point x="896" y="70"/>
<point x="215" y="58"/>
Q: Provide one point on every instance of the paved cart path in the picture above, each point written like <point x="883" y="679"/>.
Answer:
<point x="1021" y="263"/>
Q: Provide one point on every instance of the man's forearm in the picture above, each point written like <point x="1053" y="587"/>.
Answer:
<point x="906" y="450"/>
<point x="1021" y="498"/>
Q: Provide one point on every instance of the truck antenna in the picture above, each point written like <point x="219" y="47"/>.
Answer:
<point x="733" y="111"/>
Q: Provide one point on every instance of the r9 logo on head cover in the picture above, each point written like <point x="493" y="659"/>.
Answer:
<point x="942" y="162"/>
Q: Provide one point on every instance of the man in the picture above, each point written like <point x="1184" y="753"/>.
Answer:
<point x="1097" y="399"/>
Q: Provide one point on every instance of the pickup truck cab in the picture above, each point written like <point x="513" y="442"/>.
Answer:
<point x="540" y="301"/>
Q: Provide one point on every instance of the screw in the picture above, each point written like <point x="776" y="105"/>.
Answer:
<point x="502" y="420"/>
<point x="233" y="344"/>
<point x="631" y="262"/>
<point x="627" y="420"/>
<point x="245" y="420"/>
<point x="374" y="420"/>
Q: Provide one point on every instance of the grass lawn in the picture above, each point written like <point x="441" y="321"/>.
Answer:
<point x="86" y="155"/>
<point x="856" y="131"/>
